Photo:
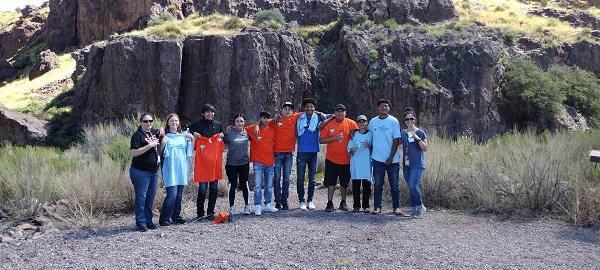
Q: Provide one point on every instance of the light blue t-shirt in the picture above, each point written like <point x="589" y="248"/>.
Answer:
<point x="360" y="161"/>
<point x="384" y="132"/>
<point x="176" y="163"/>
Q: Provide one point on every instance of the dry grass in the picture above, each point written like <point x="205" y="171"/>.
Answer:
<point x="8" y="18"/>
<point x="215" y="24"/>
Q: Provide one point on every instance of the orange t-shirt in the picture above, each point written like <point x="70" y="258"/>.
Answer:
<point x="285" y="133"/>
<point x="336" y="151"/>
<point x="261" y="146"/>
<point x="209" y="159"/>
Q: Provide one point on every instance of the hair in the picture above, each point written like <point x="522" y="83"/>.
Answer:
<point x="408" y="111"/>
<point x="309" y="100"/>
<point x="167" y="129"/>
<point x="236" y="116"/>
<point x="264" y="114"/>
<point x="383" y="100"/>
<point x="144" y="115"/>
<point x="207" y="107"/>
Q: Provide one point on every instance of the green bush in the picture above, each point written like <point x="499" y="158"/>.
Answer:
<point x="373" y="54"/>
<point x="271" y="18"/>
<point x="233" y="23"/>
<point x="581" y="88"/>
<point x="161" y="18"/>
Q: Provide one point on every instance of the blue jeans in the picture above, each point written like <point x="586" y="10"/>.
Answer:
<point x="413" y="178"/>
<point x="282" y="186"/>
<point x="303" y="160"/>
<point x="263" y="176"/>
<point x="379" y="170"/>
<point x="144" y="185"/>
<point x="171" y="208"/>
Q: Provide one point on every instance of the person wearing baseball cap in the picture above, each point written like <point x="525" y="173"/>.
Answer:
<point x="359" y="148"/>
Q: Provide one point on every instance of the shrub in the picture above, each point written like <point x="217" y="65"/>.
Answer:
<point x="161" y="18"/>
<point x="581" y="89"/>
<point x="271" y="18"/>
<point x="233" y="23"/>
<point x="373" y="54"/>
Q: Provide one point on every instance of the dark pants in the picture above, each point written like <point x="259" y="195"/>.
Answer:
<point x="366" y="193"/>
<point x="171" y="208"/>
<point x="144" y="185"/>
<point x="235" y="173"/>
<point x="302" y="161"/>
<point x="212" y="198"/>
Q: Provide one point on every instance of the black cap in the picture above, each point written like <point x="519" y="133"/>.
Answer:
<point x="340" y="107"/>
<point x="265" y="114"/>
<point x="383" y="100"/>
<point x="287" y="104"/>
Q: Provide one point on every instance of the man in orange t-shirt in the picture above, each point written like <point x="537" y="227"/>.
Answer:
<point x="262" y="141"/>
<point x="285" y="145"/>
<point x="335" y="133"/>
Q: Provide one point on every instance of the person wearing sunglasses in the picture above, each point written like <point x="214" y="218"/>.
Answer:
<point x="143" y="171"/>
<point x="414" y="144"/>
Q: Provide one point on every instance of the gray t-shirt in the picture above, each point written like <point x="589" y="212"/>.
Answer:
<point x="237" y="143"/>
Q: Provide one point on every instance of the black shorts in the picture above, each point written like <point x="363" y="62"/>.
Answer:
<point x="333" y="171"/>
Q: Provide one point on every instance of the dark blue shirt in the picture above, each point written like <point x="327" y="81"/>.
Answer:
<point x="412" y="151"/>
<point x="309" y="141"/>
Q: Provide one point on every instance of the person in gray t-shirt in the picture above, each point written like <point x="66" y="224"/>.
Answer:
<point x="236" y="167"/>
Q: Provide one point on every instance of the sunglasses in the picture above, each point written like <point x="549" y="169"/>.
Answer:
<point x="147" y="121"/>
<point x="409" y="119"/>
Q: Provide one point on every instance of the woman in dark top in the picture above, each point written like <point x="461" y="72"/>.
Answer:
<point x="414" y="145"/>
<point x="143" y="171"/>
<point x="237" y="166"/>
<point x="206" y="127"/>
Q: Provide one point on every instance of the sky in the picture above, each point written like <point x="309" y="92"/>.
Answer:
<point x="6" y="5"/>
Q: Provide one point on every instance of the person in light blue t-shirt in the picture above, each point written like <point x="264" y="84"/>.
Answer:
<point x="176" y="149"/>
<point x="385" y="157"/>
<point x="414" y="144"/>
<point x="359" y="148"/>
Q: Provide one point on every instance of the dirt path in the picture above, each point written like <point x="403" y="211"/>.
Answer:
<point x="316" y="240"/>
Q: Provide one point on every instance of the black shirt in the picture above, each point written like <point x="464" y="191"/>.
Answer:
<point x="206" y="128"/>
<point x="148" y="160"/>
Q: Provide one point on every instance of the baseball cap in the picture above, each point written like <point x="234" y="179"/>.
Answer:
<point x="361" y="117"/>
<point x="287" y="104"/>
<point x="340" y="107"/>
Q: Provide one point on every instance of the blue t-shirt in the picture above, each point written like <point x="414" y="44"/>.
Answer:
<point x="360" y="161"/>
<point x="412" y="154"/>
<point x="384" y="132"/>
<point x="176" y="163"/>
<point x="308" y="142"/>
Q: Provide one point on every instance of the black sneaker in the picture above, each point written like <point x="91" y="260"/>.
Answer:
<point x="151" y="226"/>
<point x="210" y="217"/>
<point x="278" y="205"/>
<point x="141" y="228"/>
<point x="164" y="223"/>
<point x="329" y="207"/>
<point x="178" y="220"/>
<point x="285" y="206"/>
<point x="343" y="206"/>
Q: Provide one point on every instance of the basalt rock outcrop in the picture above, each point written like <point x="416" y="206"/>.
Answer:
<point x="21" y="129"/>
<point x="47" y="61"/>
<point x="25" y="29"/>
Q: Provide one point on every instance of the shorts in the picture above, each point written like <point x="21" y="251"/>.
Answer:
<point x="334" y="171"/>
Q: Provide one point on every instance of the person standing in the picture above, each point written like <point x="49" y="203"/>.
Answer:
<point x="206" y="128"/>
<point x="414" y="145"/>
<point x="335" y="133"/>
<point x="307" y="128"/>
<point x="177" y="149"/>
<point x="359" y="148"/>
<point x="262" y="141"/>
<point x="385" y="157"/>
<point x="237" y="165"/>
<point x="143" y="171"/>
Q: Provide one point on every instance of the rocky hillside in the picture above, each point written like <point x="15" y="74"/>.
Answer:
<point x="419" y="53"/>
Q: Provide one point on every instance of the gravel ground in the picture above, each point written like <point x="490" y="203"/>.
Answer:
<point x="316" y="240"/>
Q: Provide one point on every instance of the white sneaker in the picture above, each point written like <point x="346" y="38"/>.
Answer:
<point x="257" y="210"/>
<point x="270" y="208"/>
<point x="247" y="210"/>
<point x="303" y="206"/>
<point x="311" y="206"/>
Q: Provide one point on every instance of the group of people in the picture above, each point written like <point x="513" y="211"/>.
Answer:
<point x="361" y="151"/>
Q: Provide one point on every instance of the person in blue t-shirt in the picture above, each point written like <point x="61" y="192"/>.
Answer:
<point x="359" y="148"/>
<point x="307" y="130"/>
<point x="414" y="144"/>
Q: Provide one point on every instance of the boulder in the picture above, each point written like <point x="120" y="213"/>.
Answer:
<point x="403" y="11"/>
<point x="569" y="119"/>
<point x="22" y="32"/>
<point x="22" y="129"/>
<point x="47" y="61"/>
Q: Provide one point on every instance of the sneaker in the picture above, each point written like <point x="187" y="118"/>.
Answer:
<point x="285" y="206"/>
<point x="141" y="228"/>
<point x="397" y="212"/>
<point x="247" y="210"/>
<point x="151" y="226"/>
<point x="420" y="211"/>
<point x="356" y="209"/>
<point x="343" y="206"/>
<point x="257" y="210"/>
<point x="329" y="207"/>
<point x="164" y="223"/>
<point x="303" y="206"/>
<point x="270" y="208"/>
<point x="278" y="205"/>
<point x="178" y="220"/>
<point x="377" y="211"/>
<point x="311" y="206"/>
<point x="367" y="210"/>
<point x="210" y="217"/>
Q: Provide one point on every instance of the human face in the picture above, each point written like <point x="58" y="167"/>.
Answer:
<point x="209" y="115"/>
<point x="362" y="124"/>
<point x="340" y="115"/>
<point x="309" y="108"/>
<point x="383" y="109"/>
<point x="264" y="121"/>
<point x="239" y="122"/>
<point x="287" y="111"/>
<point x="410" y="120"/>
<point x="173" y="123"/>
<point x="147" y="122"/>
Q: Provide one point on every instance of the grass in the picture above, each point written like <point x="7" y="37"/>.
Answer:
<point x="20" y="94"/>
<point x="512" y="14"/>
<point x="8" y="18"/>
<point x="215" y="24"/>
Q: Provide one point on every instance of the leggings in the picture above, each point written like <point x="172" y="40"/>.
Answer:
<point x="233" y="174"/>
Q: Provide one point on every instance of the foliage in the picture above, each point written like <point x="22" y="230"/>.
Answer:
<point x="271" y="18"/>
<point x="161" y="18"/>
